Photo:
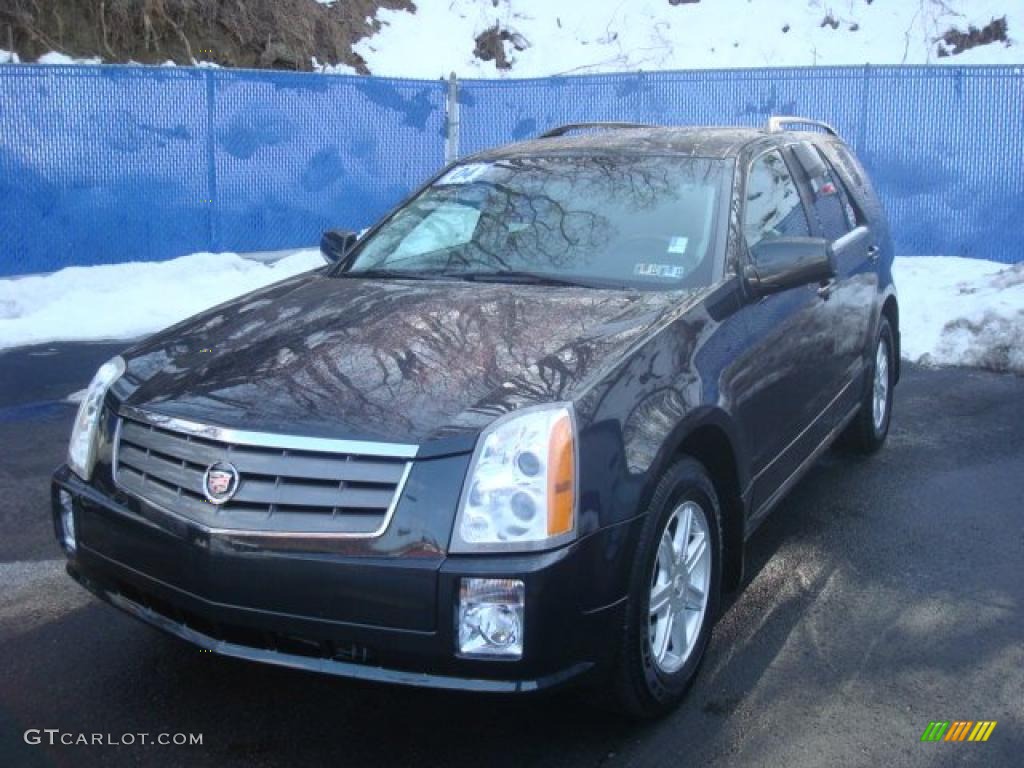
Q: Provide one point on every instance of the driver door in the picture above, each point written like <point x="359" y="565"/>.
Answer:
<point x="787" y="369"/>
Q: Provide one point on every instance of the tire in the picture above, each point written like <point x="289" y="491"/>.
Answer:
<point x="654" y="669"/>
<point x="869" y="428"/>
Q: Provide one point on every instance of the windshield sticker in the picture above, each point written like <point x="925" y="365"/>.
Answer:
<point x="678" y="244"/>
<point x="668" y="271"/>
<point x="464" y="174"/>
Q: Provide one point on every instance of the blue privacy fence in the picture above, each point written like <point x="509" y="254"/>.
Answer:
<point x="110" y="164"/>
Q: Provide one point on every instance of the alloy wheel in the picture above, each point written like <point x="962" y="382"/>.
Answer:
<point x="679" y="587"/>
<point x="880" y="400"/>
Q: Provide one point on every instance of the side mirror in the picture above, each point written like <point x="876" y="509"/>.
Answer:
<point x="788" y="262"/>
<point x="336" y="244"/>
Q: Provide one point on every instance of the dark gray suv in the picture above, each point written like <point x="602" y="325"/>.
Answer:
<point x="514" y="436"/>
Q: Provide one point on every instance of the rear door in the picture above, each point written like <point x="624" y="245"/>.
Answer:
<point x="837" y="217"/>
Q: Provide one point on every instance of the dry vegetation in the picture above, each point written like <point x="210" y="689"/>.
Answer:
<point x="280" y="34"/>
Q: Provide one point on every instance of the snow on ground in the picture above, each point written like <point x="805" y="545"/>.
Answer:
<point x="956" y="311"/>
<point x="545" y="38"/>
<point x="124" y="301"/>
<point x="953" y="311"/>
<point x="53" y="57"/>
<point x="332" y="69"/>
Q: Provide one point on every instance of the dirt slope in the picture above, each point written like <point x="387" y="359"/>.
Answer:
<point x="280" y="34"/>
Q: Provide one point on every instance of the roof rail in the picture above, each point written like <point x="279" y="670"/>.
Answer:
<point x="561" y="130"/>
<point x="776" y="123"/>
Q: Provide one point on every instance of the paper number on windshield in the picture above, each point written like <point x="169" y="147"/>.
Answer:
<point x="464" y="174"/>
<point x="678" y="244"/>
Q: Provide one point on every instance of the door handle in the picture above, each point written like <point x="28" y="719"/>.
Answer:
<point x="826" y="288"/>
<point x="873" y="252"/>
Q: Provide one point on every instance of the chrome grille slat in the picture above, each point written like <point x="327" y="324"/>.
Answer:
<point x="173" y="473"/>
<point x="180" y="448"/>
<point x="258" y="492"/>
<point x="165" y="497"/>
<point x="281" y="490"/>
<point x="262" y="462"/>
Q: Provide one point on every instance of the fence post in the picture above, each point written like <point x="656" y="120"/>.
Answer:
<point x="451" y="144"/>
<point x="865" y="97"/>
<point x="211" y="162"/>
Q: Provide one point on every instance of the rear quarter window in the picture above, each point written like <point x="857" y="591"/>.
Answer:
<point x="850" y="169"/>
<point x="832" y="204"/>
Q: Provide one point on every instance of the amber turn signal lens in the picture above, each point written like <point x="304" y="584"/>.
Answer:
<point x="561" y="477"/>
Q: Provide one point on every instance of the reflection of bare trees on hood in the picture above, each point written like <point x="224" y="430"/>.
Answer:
<point x="447" y="353"/>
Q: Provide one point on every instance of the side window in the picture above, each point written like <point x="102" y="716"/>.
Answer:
<point x="773" y="207"/>
<point x="852" y="173"/>
<point x="853" y="219"/>
<point x="851" y="166"/>
<point x="831" y="206"/>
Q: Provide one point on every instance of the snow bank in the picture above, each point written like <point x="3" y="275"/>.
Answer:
<point x="331" y="69"/>
<point x="956" y="311"/>
<point x="124" y="301"/>
<point x="953" y="311"/>
<point x="544" y="38"/>
<point x="56" y="58"/>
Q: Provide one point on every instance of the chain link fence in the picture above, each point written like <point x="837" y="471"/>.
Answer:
<point x="119" y="163"/>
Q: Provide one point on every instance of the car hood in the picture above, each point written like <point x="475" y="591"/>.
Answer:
<point x="388" y="360"/>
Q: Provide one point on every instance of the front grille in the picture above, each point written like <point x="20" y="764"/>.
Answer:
<point x="280" y="489"/>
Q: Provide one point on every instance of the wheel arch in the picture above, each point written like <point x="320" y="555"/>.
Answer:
<point x="891" y="312"/>
<point x="710" y="437"/>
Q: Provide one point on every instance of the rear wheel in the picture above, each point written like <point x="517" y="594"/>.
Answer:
<point x="674" y="593"/>
<point x="870" y="427"/>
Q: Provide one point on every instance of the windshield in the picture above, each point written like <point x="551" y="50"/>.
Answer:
<point x="631" y="221"/>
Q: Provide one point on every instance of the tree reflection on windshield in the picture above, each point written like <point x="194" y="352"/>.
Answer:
<point x="620" y="220"/>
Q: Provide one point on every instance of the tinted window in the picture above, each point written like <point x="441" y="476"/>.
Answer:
<point x="773" y="207"/>
<point x="852" y="217"/>
<point x="831" y="208"/>
<point x="633" y="221"/>
<point x="849" y="164"/>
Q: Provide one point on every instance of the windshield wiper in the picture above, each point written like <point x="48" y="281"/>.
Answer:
<point x="516" y="276"/>
<point x="398" y="274"/>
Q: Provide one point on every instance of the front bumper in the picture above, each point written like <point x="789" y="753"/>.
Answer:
<point x="257" y="605"/>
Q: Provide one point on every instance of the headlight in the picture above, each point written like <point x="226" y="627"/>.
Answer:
<point x="520" y="493"/>
<point x="82" y="450"/>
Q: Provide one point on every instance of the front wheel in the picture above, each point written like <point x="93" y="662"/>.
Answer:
<point x="870" y="427"/>
<point x="674" y="593"/>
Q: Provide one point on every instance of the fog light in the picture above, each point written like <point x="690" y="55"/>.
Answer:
<point x="67" y="521"/>
<point x="491" y="617"/>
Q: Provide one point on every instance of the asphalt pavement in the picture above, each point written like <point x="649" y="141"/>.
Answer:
<point x="882" y="594"/>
